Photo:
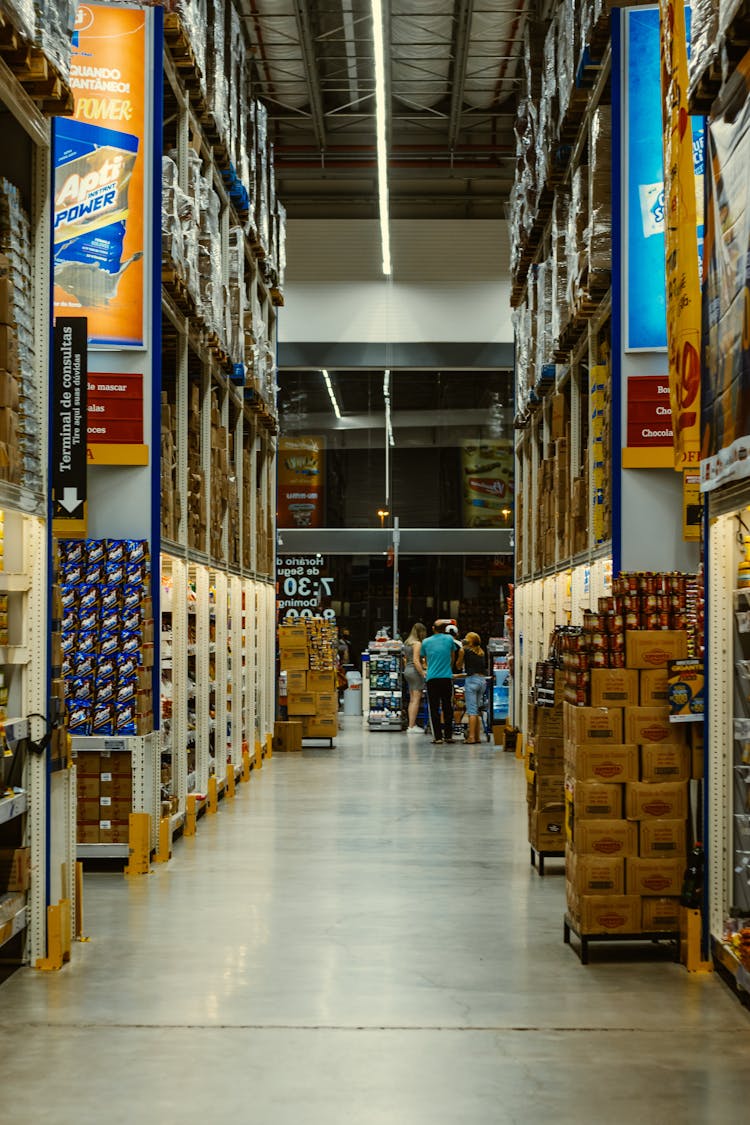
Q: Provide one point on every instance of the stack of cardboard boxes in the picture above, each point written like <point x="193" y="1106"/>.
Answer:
<point x="545" y="792"/>
<point x="307" y="653"/>
<point x="626" y="787"/>
<point x="105" y="796"/>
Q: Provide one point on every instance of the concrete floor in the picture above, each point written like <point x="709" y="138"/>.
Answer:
<point x="359" y="938"/>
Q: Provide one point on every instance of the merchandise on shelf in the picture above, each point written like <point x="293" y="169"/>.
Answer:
<point x="20" y="421"/>
<point x="107" y="636"/>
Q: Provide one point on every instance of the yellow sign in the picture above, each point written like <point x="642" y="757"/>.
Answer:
<point x="681" y="188"/>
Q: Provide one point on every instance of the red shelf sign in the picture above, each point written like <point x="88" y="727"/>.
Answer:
<point x="115" y="409"/>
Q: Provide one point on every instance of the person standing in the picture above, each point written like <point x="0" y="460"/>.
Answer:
<point x="437" y="653"/>
<point x="414" y="673"/>
<point x="474" y="663"/>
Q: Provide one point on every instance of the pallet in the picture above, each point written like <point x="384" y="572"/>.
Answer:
<point x="35" y="72"/>
<point x="569" y="927"/>
<point x="538" y="857"/>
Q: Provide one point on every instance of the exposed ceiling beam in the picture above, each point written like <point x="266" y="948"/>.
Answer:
<point x="464" y="13"/>
<point x="312" y="77"/>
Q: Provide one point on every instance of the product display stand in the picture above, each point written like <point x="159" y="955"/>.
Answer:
<point x="386" y="695"/>
<point x="585" y="940"/>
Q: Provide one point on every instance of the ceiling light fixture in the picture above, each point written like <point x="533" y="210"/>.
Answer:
<point x="331" y="392"/>
<point x="380" y="132"/>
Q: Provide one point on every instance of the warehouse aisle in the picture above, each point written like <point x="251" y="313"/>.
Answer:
<point x="359" y="938"/>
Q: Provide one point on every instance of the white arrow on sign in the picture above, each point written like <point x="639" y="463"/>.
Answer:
<point x="70" y="499"/>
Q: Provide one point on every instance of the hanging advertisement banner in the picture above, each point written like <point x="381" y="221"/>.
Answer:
<point x="725" y="357"/>
<point x="683" y="182"/>
<point x="645" y="285"/>
<point x="300" y="481"/>
<point x="487" y="475"/>
<point x="99" y="158"/>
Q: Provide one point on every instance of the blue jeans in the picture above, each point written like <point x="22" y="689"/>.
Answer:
<point x="473" y="693"/>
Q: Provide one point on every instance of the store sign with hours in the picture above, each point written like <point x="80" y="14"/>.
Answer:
<point x="302" y="587"/>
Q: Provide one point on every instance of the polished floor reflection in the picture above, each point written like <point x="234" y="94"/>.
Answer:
<point x="359" y="937"/>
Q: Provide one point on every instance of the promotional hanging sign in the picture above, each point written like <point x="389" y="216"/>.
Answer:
<point x="69" y="426"/>
<point x="725" y="389"/>
<point x="99" y="158"/>
<point x="300" y="481"/>
<point x="682" y="184"/>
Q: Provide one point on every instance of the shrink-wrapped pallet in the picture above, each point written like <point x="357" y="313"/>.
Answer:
<point x="704" y="40"/>
<point x="599" y="229"/>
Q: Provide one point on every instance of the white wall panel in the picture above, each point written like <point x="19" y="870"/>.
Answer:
<point x="450" y="282"/>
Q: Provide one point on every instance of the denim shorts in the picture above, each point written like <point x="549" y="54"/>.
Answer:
<point x="473" y="693"/>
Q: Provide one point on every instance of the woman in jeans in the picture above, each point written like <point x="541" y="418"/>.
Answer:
<point x="473" y="662"/>
<point x="414" y="673"/>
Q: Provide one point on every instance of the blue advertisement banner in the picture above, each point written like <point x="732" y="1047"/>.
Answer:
<point x="645" y="286"/>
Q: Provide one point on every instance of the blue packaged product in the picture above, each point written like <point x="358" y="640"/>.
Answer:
<point x="104" y="692"/>
<point x="127" y="665"/>
<point x="110" y="620"/>
<point x="69" y="596"/>
<point x="84" y="662"/>
<point x="79" y="717"/>
<point x="81" y="687"/>
<point x="69" y="643"/>
<point x="136" y="550"/>
<point x="71" y="551"/>
<point x="130" y="642"/>
<point x="71" y="573"/>
<point x="127" y="687"/>
<point x="95" y="550"/>
<point x="113" y="573"/>
<point x="88" y="597"/>
<point x="92" y="572"/>
<point x="89" y="618"/>
<point x="109" y="597"/>
<point x="107" y="668"/>
<point x="109" y="643"/>
<point x="101" y="719"/>
<point x="131" y="595"/>
<point x="93" y="168"/>
<point x="115" y="550"/>
<point x="125" y="718"/>
<point x="88" y="641"/>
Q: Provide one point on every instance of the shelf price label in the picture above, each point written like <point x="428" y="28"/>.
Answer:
<point x="69" y="426"/>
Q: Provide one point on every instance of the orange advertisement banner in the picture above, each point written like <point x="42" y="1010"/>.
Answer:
<point x="682" y="188"/>
<point x="300" y="481"/>
<point x="99" y="158"/>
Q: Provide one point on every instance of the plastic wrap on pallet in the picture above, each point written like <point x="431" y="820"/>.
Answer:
<point x="704" y="40"/>
<point x="576" y="232"/>
<point x="217" y="88"/>
<point x="599" y="229"/>
<point x="565" y="54"/>
<point x="53" y="33"/>
<point x="261" y="213"/>
<point x="21" y="15"/>
<point x="559" y="238"/>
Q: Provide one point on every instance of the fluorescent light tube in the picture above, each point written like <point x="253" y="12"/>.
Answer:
<point x="380" y="133"/>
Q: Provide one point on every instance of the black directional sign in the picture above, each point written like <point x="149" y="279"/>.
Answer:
<point x="69" y="418"/>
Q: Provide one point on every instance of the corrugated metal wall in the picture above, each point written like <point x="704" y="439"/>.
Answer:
<point x="450" y="282"/>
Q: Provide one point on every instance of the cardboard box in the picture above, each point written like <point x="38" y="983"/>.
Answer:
<point x="547" y="830"/>
<point x="654" y="687"/>
<point x="596" y="800"/>
<point x="614" y="687"/>
<point x="662" y="838"/>
<point x="654" y="876"/>
<point x="606" y="837"/>
<point x="593" y="726"/>
<point x="602" y="763"/>
<point x="326" y="702"/>
<point x="287" y="737"/>
<point x="296" y="680"/>
<point x="293" y="659"/>
<point x="666" y="762"/>
<point x="665" y="800"/>
<point x="301" y="703"/>
<point x="646" y="649"/>
<point x="651" y="725"/>
<point x="595" y="874"/>
<point x="321" y="681"/>
<point x="321" y="726"/>
<point x="610" y="914"/>
<point x="15" y="869"/>
<point x="660" y="915"/>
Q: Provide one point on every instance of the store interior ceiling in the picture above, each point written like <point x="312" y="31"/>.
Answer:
<point x="452" y="73"/>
